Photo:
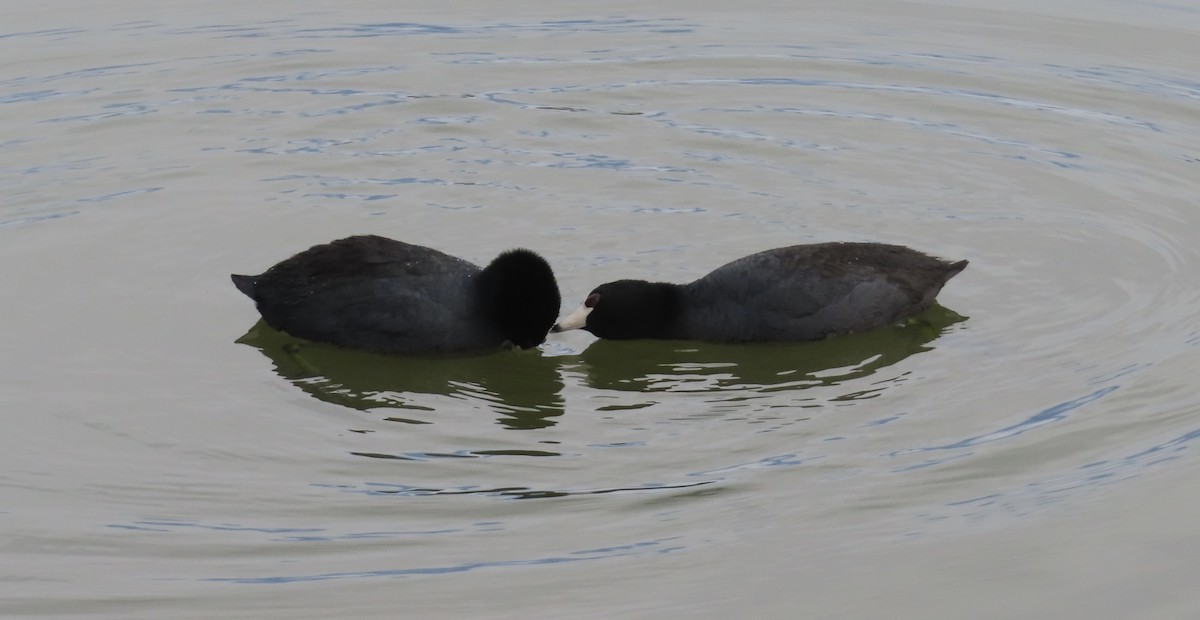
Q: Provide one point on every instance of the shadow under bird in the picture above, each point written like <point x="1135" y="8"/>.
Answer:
<point x="801" y="292"/>
<point x="377" y="294"/>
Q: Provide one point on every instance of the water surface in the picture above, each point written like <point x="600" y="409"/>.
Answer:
<point x="1025" y="449"/>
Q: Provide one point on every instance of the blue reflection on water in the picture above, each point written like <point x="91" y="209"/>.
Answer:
<point x="35" y="218"/>
<point x="1045" y="416"/>
<point x="167" y="526"/>
<point x="658" y="546"/>
<point x="403" y="29"/>
<point x="290" y="534"/>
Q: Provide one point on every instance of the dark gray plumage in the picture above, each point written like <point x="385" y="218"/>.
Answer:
<point x="802" y="292"/>
<point x="378" y="294"/>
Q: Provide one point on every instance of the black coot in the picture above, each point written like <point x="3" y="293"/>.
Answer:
<point x="802" y="292"/>
<point x="378" y="294"/>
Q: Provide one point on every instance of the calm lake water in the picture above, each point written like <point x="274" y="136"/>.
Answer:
<point x="1029" y="450"/>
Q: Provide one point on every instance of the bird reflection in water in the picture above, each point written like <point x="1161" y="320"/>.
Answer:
<point x="522" y="387"/>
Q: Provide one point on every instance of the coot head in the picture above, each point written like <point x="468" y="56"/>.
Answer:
<point x="521" y="296"/>
<point x="627" y="310"/>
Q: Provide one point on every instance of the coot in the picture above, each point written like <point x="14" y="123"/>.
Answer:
<point x="377" y="294"/>
<point x="802" y="292"/>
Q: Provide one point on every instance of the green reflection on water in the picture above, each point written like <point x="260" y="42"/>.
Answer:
<point x="657" y="366"/>
<point x="522" y="386"/>
<point x="525" y="387"/>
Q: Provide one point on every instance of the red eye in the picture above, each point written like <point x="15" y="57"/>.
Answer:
<point x="591" y="300"/>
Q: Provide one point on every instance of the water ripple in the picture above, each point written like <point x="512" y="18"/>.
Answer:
<point x="657" y="546"/>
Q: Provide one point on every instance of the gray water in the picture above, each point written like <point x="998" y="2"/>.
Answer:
<point x="1026" y="450"/>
